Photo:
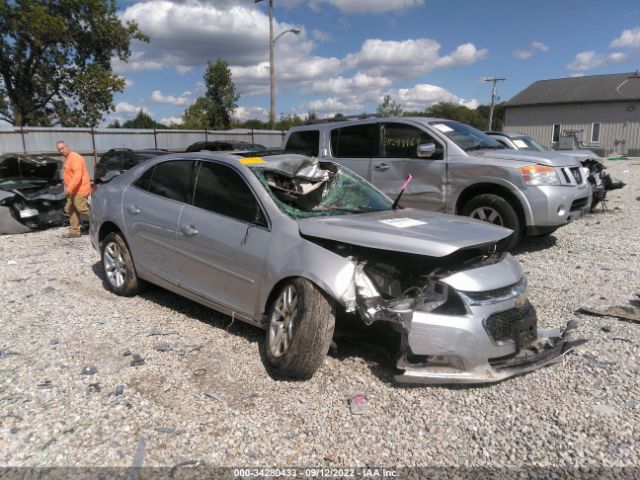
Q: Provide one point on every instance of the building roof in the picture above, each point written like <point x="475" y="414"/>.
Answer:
<point x="616" y="87"/>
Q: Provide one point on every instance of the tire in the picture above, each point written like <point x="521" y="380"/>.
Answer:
<point x="119" y="272"/>
<point x="300" y="329"/>
<point x="495" y="209"/>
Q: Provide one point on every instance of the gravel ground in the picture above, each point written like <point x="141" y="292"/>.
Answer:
<point x="71" y="393"/>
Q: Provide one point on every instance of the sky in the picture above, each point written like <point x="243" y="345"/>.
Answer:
<point x="349" y="54"/>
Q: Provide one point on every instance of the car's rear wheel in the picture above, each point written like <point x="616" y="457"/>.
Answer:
<point x="495" y="209"/>
<point x="120" y="274"/>
<point x="300" y="329"/>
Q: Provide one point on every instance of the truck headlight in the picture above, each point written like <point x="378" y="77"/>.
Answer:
<point x="538" y="175"/>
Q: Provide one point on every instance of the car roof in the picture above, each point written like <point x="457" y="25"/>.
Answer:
<point x="330" y="123"/>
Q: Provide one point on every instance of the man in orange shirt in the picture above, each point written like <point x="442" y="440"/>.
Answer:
<point x="76" y="186"/>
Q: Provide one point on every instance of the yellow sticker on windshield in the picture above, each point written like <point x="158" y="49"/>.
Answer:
<point x="252" y="160"/>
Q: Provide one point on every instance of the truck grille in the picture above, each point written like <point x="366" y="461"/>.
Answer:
<point x="577" y="174"/>
<point x="518" y="323"/>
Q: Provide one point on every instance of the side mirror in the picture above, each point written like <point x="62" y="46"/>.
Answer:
<point x="426" y="150"/>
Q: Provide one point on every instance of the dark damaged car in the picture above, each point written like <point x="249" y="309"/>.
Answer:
<point x="291" y="244"/>
<point x="31" y="193"/>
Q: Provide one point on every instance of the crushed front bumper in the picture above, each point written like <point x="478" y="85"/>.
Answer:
<point x="551" y="345"/>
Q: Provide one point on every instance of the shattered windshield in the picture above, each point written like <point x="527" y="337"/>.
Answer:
<point x="312" y="188"/>
<point x="466" y="137"/>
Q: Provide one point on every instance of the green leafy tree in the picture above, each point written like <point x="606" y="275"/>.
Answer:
<point x="455" y="111"/>
<point x="115" y="124"/>
<point x="196" y="116"/>
<point x="253" y="123"/>
<point x="287" y="121"/>
<point x="142" y="120"/>
<point x="221" y="94"/>
<point x="55" y="60"/>
<point x="215" y="109"/>
<point x="389" y="107"/>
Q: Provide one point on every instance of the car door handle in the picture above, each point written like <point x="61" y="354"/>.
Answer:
<point x="133" y="210"/>
<point x="381" y="167"/>
<point x="189" y="230"/>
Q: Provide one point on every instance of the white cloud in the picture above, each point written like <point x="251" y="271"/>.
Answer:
<point x="321" y="36"/>
<point x="628" y="38"/>
<point x="171" y="121"/>
<point x="183" y="100"/>
<point x="465" y="54"/>
<point x="128" y="83"/>
<point x="330" y="106"/>
<point x="422" y="96"/>
<point x="408" y="58"/>
<point x="590" y="59"/>
<point x="127" y="108"/>
<point x="522" y="54"/>
<point x="249" y="113"/>
<point x="349" y="86"/>
<point x="187" y="34"/>
<point x="540" y="46"/>
<point x="374" y="6"/>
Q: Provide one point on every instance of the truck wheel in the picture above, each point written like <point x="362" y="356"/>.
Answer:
<point x="301" y="324"/>
<point x="120" y="274"/>
<point x="495" y="209"/>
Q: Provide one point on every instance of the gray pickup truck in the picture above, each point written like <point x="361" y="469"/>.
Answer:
<point x="455" y="168"/>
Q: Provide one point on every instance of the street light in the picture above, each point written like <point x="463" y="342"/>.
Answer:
<point x="272" y="78"/>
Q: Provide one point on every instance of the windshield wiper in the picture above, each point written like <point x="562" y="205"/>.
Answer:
<point x="483" y="147"/>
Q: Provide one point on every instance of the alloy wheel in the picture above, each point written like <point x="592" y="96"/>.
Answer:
<point x="487" y="214"/>
<point x="114" y="265"/>
<point x="285" y="312"/>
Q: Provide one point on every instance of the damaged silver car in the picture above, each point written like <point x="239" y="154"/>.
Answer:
<point x="31" y="193"/>
<point x="293" y="245"/>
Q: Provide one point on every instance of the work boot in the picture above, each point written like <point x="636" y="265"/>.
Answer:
<point x="70" y="235"/>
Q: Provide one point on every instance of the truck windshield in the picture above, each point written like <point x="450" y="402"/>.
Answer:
<point x="466" y="137"/>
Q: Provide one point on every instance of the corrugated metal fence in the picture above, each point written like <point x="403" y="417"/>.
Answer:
<point x="91" y="143"/>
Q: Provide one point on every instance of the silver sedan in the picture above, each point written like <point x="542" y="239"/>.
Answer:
<point x="291" y="244"/>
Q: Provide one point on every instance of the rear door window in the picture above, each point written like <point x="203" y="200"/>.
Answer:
<point x="171" y="180"/>
<point x="222" y="190"/>
<point x="358" y="141"/>
<point x="305" y="142"/>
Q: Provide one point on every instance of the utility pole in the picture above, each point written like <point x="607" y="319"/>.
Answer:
<point x="272" y="76"/>
<point x="493" y="96"/>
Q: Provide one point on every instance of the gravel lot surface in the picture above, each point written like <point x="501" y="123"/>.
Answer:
<point x="85" y="375"/>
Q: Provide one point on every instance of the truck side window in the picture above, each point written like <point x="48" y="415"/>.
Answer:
<point x="398" y="140"/>
<point x="357" y="141"/>
<point x="305" y="142"/>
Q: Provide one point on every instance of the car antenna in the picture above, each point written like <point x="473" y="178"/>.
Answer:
<point x="404" y="185"/>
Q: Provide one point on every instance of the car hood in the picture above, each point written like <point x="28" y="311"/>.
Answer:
<point x="580" y="154"/>
<point x="405" y="230"/>
<point x="526" y="156"/>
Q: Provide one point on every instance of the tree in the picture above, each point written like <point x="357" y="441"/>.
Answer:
<point x="196" y="115"/>
<point x="287" y="121"/>
<point x="390" y="108"/>
<point x="142" y="120"/>
<point x="221" y="94"/>
<point x="455" y="111"/>
<point x="55" y="60"/>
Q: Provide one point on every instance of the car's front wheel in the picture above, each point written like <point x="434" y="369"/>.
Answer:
<point x="300" y="329"/>
<point x="120" y="274"/>
<point x="495" y="209"/>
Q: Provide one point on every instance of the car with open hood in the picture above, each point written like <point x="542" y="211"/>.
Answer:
<point x="455" y="168"/>
<point x="31" y="193"/>
<point x="292" y="244"/>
